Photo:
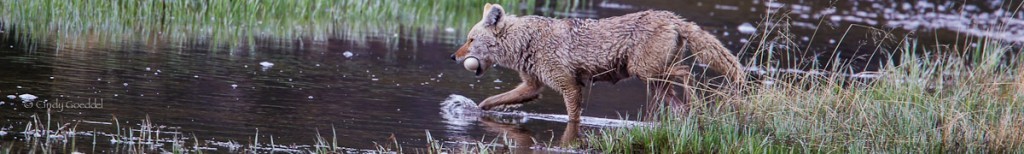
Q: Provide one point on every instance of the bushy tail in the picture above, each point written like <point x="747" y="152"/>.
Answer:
<point x="705" y="48"/>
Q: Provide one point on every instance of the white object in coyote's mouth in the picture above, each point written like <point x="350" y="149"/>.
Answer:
<point x="471" y="64"/>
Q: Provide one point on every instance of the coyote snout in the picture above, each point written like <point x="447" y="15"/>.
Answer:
<point x="472" y="60"/>
<point x="562" y="53"/>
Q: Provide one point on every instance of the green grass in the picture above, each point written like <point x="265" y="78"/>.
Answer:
<point x="966" y="99"/>
<point x="145" y="137"/>
<point x="919" y="104"/>
<point x="241" y="22"/>
<point x="498" y="144"/>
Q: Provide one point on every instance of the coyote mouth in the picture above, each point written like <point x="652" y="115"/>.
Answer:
<point x="479" y="71"/>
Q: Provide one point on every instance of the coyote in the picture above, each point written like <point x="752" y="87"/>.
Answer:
<point x="565" y="53"/>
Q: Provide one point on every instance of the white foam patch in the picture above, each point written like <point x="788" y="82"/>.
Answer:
<point x="459" y="112"/>
<point x="27" y="97"/>
<point x="348" y="54"/>
<point x="231" y="145"/>
<point x="746" y="28"/>
<point x="266" y="65"/>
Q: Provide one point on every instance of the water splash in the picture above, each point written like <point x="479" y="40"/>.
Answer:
<point x="460" y="112"/>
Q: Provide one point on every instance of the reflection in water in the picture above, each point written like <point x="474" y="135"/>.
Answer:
<point x="367" y="94"/>
<point x="522" y="137"/>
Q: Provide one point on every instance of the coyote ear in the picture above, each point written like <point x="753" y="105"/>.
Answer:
<point x="493" y="14"/>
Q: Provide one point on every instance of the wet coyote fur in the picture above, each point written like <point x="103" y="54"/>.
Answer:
<point x="566" y="53"/>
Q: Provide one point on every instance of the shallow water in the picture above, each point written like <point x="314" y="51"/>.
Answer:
<point x="227" y="95"/>
<point x="373" y="88"/>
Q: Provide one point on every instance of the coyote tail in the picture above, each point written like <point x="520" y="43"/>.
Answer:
<point x="705" y="48"/>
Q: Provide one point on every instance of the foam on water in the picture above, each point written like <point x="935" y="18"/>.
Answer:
<point x="746" y="28"/>
<point x="348" y="54"/>
<point x="266" y="65"/>
<point x="27" y="97"/>
<point x="459" y="112"/>
<point x="230" y="145"/>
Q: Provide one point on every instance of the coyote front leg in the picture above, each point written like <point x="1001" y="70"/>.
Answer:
<point x="527" y="91"/>
<point x="570" y="87"/>
<point x="573" y="99"/>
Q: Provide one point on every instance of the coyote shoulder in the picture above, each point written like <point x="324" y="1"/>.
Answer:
<point x="565" y="53"/>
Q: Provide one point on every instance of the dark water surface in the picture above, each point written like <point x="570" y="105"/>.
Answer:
<point x="370" y="90"/>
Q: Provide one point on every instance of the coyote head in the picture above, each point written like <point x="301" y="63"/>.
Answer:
<point x="481" y="47"/>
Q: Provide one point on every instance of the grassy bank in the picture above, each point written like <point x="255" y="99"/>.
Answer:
<point x="919" y="104"/>
<point x="242" y="21"/>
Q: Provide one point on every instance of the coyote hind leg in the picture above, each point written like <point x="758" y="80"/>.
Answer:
<point x="662" y="95"/>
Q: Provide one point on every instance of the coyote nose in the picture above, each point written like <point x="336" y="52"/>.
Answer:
<point x="453" y="57"/>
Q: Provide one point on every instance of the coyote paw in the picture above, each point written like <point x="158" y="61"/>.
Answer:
<point x="499" y="107"/>
<point x="506" y="107"/>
